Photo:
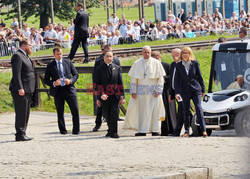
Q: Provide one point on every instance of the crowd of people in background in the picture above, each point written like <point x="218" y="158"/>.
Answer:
<point x="120" y="31"/>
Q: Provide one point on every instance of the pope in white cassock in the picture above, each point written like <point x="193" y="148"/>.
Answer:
<point x="145" y="107"/>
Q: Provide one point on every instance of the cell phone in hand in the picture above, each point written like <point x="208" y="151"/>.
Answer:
<point x="180" y="99"/>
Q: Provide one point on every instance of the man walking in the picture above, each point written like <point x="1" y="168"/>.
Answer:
<point x="61" y="75"/>
<point x="99" y="61"/>
<point x="146" y="106"/>
<point x="180" y="116"/>
<point x="169" y="124"/>
<point x="110" y="92"/>
<point x="22" y="86"/>
<point x="81" y="33"/>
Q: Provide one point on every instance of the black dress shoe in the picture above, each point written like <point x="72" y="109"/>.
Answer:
<point x="107" y="135"/>
<point x="95" y="129"/>
<point x="23" y="138"/>
<point x="64" y="133"/>
<point x="155" y="134"/>
<point x="140" y="134"/>
<point x="114" y="135"/>
<point x="75" y="133"/>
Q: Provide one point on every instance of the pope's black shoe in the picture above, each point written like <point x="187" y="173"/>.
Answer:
<point x="140" y="134"/>
<point x="155" y="134"/>
<point x="23" y="138"/>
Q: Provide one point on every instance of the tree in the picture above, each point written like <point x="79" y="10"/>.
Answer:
<point x="63" y="9"/>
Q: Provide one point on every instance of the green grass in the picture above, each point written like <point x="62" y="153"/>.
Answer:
<point x="97" y="15"/>
<point x="85" y="100"/>
<point x="6" y="104"/>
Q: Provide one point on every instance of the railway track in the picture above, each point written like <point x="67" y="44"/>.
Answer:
<point x="124" y="52"/>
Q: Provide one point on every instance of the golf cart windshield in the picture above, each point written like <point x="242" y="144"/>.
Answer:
<point x="231" y="70"/>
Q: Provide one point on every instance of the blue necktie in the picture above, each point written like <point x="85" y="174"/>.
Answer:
<point x="60" y="70"/>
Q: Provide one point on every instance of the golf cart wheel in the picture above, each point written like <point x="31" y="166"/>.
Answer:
<point x="197" y="129"/>
<point x="242" y="123"/>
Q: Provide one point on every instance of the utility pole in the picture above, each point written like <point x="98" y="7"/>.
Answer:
<point x="19" y="14"/>
<point x="196" y="6"/>
<point x="84" y="5"/>
<point x="205" y="5"/>
<point x="142" y="8"/>
<point x="223" y="8"/>
<point x="171" y="6"/>
<point x="247" y="8"/>
<point x="122" y="4"/>
<point x="52" y="11"/>
<point x="240" y="6"/>
<point x="107" y="2"/>
<point x="114" y="6"/>
<point x="139" y="6"/>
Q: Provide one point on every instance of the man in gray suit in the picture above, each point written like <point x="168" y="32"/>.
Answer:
<point x="22" y="86"/>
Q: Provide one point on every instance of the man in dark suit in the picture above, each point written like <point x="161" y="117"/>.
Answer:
<point x="180" y="115"/>
<point x="182" y="16"/>
<point x="61" y="75"/>
<point x="22" y="86"/>
<point x="99" y="61"/>
<point x="81" y="33"/>
<point x="110" y="92"/>
<point x="168" y="125"/>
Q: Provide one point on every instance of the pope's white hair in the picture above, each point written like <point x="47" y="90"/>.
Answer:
<point x="146" y="47"/>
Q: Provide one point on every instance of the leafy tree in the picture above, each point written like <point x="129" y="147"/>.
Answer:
<point x="63" y="9"/>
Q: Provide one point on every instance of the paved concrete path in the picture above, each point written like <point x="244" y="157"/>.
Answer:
<point x="91" y="155"/>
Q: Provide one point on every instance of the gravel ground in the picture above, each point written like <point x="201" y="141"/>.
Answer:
<point x="91" y="155"/>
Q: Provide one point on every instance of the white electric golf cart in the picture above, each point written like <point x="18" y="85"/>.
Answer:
<point x="227" y="103"/>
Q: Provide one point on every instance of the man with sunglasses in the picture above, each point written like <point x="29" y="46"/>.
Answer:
<point x="22" y="86"/>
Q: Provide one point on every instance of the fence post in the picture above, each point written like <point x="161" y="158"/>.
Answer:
<point x="37" y="98"/>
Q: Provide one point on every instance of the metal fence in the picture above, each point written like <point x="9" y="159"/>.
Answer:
<point x="12" y="47"/>
<point x="8" y="49"/>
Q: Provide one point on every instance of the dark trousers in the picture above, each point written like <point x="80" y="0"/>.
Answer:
<point x="75" y="45"/>
<point x="199" y="112"/>
<point x="110" y="111"/>
<point x="180" y="120"/>
<point x="98" y="120"/>
<point x="22" y="110"/>
<point x="71" y="98"/>
<point x="170" y="122"/>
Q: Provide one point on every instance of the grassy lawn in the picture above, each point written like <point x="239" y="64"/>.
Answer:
<point x="85" y="100"/>
<point x="6" y="104"/>
<point x="97" y="15"/>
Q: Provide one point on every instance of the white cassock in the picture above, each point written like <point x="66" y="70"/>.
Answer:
<point x="144" y="112"/>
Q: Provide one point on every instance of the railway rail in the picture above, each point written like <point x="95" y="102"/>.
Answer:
<point x="43" y="60"/>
